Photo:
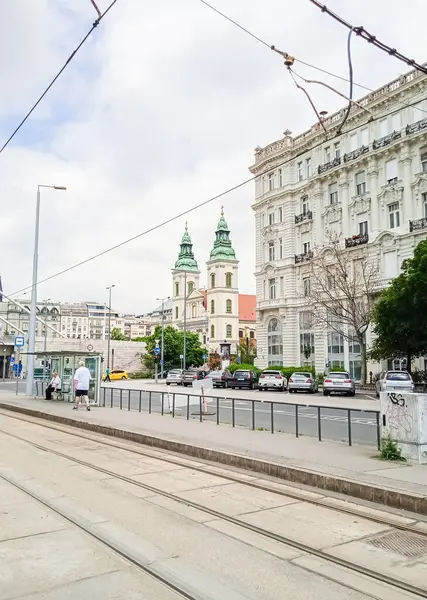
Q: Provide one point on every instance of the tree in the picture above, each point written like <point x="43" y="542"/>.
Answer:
<point x="174" y="347"/>
<point x="339" y="291"/>
<point x="116" y="334"/>
<point x="247" y="351"/>
<point x="400" y="314"/>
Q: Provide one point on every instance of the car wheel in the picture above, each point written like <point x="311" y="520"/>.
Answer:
<point x="325" y="393"/>
<point x="168" y="383"/>
<point x="352" y="394"/>
<point x="123" y="378"/>
<point x="310" y="391"/>
<point x="225" y="385"/>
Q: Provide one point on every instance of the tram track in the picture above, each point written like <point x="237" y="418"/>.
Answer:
<point x="395" y="583"/>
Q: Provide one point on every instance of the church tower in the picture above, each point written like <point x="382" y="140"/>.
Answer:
<point x="223" y="290"/>
<point x="186" y="276"/>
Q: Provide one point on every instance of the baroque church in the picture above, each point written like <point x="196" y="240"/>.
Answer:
<point x="218" y="313"/>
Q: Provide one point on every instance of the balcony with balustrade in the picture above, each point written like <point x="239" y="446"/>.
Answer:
<point x="356" y="240"/>
<point x="304" y="216"/>
<point x="329" y="165"/>
<point x="418" y="224"/>
<point x="304" y="257"/>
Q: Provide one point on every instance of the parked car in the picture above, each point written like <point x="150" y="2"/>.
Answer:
<point x="174" y="376"/>
<point x="192" y="375"/>
<point x="302" y="382"/>
<point x="243" y="379"/>
<point x="220" y="378"/>
<point x="394" y="381"/>
<point x="339" y="382"/>
<point x="273" y="380"/>
<point x="116" y="375"/>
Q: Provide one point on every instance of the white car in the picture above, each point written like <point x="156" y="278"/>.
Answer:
<point x="174" y="376"/>
<point x="394" y="381"/>
<point x="272" y="380"/>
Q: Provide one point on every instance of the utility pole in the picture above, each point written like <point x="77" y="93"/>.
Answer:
<point x="184" y="362"/>
<point x="45" y="339"/>
<point x="109" y="324"/>
<point x="162" y="350"/>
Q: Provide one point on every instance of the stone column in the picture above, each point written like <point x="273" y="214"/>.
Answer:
<point x="317" y="208"/>
<point x="344" y="196"/>
<point x="406" y="162"/>
<point x="373" y="193"/>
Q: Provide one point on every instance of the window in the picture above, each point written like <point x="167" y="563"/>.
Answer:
<point x="240" y="333"/>
<point x="281" y="244"/>
<point x="282" y="287"/>
<point x="353" y="141"/>
<point x="363" y="228"/>
<point x="327" y="154"/>
<point x="212" y="331"/>
<point x="393" y="215"/>
<point x="176" y="289"/>
<point x="228" y="331"/>
<point x="306" y="286"/>
<point x="306" y="247"/>
<point x="204" y="339"/>
<point x="364" y="137"/>
<point x="308" y="167"/>
<point x="190" y="287"/>
<point x="396" y="124"/>
<point x="333" y="193"/>
<point x="300" y="172"/>
<point x="176" y="312"/>
<point x="228" y="306"/>
<point x="335" y="343"/>
<point x="424" y="202"/>
<point x="212" y="307"/>
<point x="270" y="182"/>
<point x="252" y="335"/>
<point x="424" y="160"/>
<point x="274" y="342"/>
<point x="228" y="280"/>
<point x="383" y="126"/>
<point x="391" y="171"/>
<point x="272" y="289"/>
<point x="271" y="251"/>
<point x="304" y="205"/>
<point x="280" y="213"/>
<point x="271" y="218"/>
<point x="212" y="280"/>
<point x="280" y="177"/>
<point x="337" y="150"/>
<point x="360" y="183"/>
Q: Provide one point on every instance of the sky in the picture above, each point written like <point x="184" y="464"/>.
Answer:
<point x="159" y="111"/>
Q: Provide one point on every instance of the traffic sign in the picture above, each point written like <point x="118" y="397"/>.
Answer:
<point x="204" y="356"/>
<point x="12" y="361"/>
<point x="19" y="341"/>
<point x="181" y="356"/>
<point x="156" y="351"/>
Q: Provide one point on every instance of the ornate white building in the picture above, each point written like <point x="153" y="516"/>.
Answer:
<point x="368" y="183"/>
<point x="218" y="313"/>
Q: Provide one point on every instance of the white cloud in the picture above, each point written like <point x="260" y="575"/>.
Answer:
<point x="158" y="112"/>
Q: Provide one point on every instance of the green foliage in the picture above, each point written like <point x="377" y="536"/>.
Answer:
<point x="236" y="367"/>
<point x="419" y="376"/>
<point x="337" y="370"/>
<point x="140" y="339"/>
<point x="400" y="314"/>
<point x="247" y="352"/>
<point x="390" y="450"/>
<point x="116" y="334"/>
<point x="174" y="347"/>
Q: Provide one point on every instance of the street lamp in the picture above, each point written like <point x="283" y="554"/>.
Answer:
<point x="33" y="311"/>
<point x="109" y="288"/>
<point x="162" y="355"/>
<point x="45" y="337"/>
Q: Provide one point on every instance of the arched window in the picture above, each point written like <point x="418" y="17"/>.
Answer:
<point x="212" y="280"/>
<point x="228" y="280"/>
<point x="229" y="331"/>
<point x="190" y="287"/>
<point x="176" y="312"/>
<point x="212" y="332"/>
<point x="193" y="311"/>
<point x="274" y="342"/>
<point x="228" y="306"/>
<point x="212" y="307"/>
<point x="204" y="339"/>
<point x="176" y="288"/>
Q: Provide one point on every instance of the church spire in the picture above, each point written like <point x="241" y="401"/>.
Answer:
<point x="186" y="260"/>
<point x="222" y="248"/>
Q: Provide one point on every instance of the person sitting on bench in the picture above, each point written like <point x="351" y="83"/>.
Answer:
<point x="54" y="385"/>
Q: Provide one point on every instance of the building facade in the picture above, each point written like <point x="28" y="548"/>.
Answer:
<point x="217" y="312"/>
<point x="368" y="185"/>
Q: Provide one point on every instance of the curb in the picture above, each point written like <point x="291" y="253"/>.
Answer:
<point x="405" y="501"/>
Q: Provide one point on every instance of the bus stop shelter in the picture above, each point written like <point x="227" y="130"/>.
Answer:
<point x="65" y="363"/>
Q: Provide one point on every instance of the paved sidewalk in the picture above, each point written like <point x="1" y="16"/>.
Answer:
<point x="359" y="473"/>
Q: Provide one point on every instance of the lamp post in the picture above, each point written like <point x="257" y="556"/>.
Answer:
<point x="109" y="288"/>
<point x="162" y="350"/>
<point x="45" y="337"/>
<point x="33" y="311"/>
<point x="184" y="360"/>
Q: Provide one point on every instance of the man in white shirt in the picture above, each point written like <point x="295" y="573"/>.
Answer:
<point x="81" y="385"/>
<point x="54" y="385"/>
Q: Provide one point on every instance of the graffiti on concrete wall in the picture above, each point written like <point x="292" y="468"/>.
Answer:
<point x="398" y="416"/>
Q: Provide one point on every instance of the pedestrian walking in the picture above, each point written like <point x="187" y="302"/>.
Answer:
<point x="107" y="375"/>
<point x="81" y="385"/>
<point x="54" y="385"/>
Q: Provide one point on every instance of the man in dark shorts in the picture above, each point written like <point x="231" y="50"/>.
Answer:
<point x="81" y="385"/>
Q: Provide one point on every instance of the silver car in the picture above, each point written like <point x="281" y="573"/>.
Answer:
<point x="174" y="376"/>
<point x="394" y="381"/>
<point x="302" y="382"/>
<point x="273" y="380"/>
<point x="339" y="382"/>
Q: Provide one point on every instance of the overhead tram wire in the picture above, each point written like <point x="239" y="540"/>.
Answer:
<point x="372" y="39"/>
<point x="69" y="59"/>
<point x="197" y="206"/>
<point x="306" y="64"/>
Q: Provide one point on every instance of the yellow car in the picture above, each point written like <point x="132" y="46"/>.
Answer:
<point x="116" y="375"/>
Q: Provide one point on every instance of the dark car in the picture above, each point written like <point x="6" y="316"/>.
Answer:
<point x="243" y="379"/>
<point x="192" y="375"/>
<point x="220" y="378"/>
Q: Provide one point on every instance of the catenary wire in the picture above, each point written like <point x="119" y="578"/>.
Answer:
<point x="350" y="75"/>
<point x="372" y="39"/>
<point x="306" y="64"/>
<point x="69" y="59"/>
<point x="197" y="206"/>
